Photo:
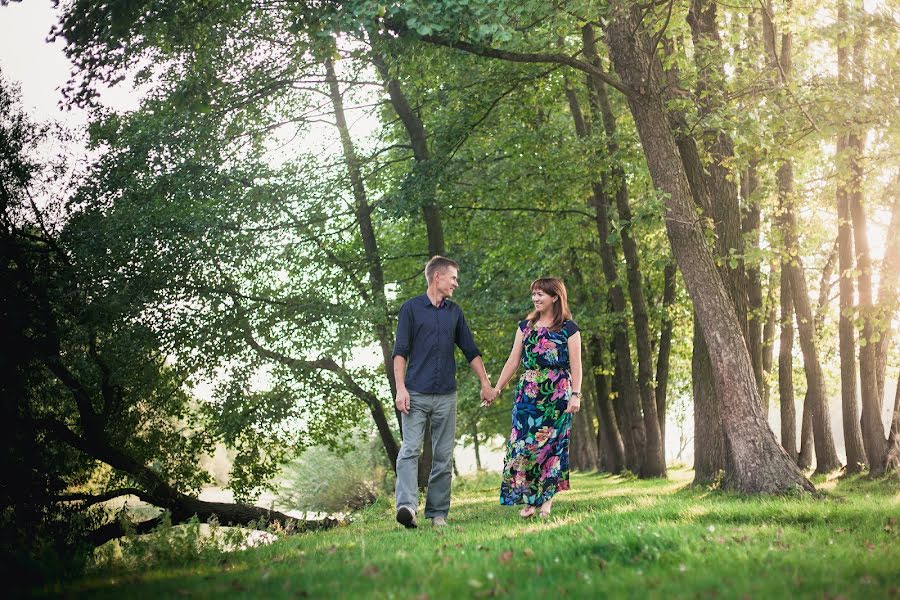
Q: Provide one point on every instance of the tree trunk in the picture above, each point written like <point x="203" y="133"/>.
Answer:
<point x="872" y="428"/>
<point x="755" y="314"/>
<point x="631" y="455"/>
<point x="826" y="455"/>
<point x="665" y="347"/>
<point x="476" y="445"/>
<point x="609" y="439"/>
<point x="654" y="464"/>
<point x="805" y="458"/>
<point x="887" y="289"/>
<point x="583" y="445"/>
<point x="709" y="437"/>
<point x="367" y="233"/>
<point x="786" y="370"/>
<point x="892" y="464"/>
<point x="853" y="442"/>
<point x="760" y="464"/>
<point x="768" y="343"/>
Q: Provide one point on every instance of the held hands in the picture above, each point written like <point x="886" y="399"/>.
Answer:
<point x="488" y="395"/>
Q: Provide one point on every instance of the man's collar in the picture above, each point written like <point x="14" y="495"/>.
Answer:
<point x="427" y="301"/>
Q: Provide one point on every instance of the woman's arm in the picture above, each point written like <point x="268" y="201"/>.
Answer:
<point x="575" y="367"/>
<point x="512" y="363"/>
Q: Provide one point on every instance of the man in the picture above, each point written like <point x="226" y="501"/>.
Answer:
<point x="428" y="327"/>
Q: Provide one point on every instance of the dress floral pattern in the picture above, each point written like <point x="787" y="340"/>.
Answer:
<point x="537" y="452"/>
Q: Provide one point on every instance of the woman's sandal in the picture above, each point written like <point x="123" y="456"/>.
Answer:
<point x="527" y="512"/>
<point x="545" y="509"/>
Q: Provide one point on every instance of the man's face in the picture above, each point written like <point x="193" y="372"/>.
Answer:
<point x="446" y="281"/>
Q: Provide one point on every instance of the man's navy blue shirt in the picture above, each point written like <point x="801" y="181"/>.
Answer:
<point x="426" y="335"/>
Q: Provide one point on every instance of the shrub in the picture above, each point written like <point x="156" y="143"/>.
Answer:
<point x="324" y="480"/>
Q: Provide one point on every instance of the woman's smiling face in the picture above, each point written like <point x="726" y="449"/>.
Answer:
<point x="541" y="299"/>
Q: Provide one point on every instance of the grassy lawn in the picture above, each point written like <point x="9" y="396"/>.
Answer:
<point x="608" y="536"/>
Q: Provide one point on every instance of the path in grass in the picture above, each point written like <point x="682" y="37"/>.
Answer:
<point x="608" y="536"/>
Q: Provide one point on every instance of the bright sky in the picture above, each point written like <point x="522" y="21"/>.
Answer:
<point x="42" y="68"/>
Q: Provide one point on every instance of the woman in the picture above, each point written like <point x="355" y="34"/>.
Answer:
<point x="548" y="345"/>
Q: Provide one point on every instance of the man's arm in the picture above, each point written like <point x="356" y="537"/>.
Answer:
<point x="402" y="400"/>
<point x="402" y="343"/>
<point x="466" y="343"/>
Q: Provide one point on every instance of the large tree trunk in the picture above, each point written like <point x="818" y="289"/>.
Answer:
<point x="367" y="233"/>
<point x="826" y="456"/>
<point x="853" y="442"/>
<point x="609" y="439"/>
<point x="709" y="437"/>
<point x="654" y="458"/>
<point x="760" y="464"/>
<point x="786" y="370"/>
<point x="583" y="445"/>
<point x="872" y="428"/>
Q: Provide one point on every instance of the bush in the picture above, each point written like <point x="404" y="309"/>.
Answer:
<point x="323" y="480"/>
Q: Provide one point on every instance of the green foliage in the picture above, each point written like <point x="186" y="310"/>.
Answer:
<point x="169" y="546"/>
<point x="324" y="480"/>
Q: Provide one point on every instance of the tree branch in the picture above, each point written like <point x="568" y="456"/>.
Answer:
<point x="520" y="57"/>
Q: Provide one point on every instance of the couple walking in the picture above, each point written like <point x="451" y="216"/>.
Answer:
<point x="548" y="347"/>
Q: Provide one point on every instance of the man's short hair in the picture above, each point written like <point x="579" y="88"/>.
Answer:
<point x="438" y="263"/>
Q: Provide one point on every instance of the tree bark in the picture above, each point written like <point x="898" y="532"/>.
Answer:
<point x="887" y="288"/>
<point x="609" y="439"/>
<point x="583" y="445"/>
<point x="826" y="456"/>
<point x="768" y="343"/>
<point x="665" y="349"/>
<point x="759" y="462"/>
<point x="363" y="213"/>
<point x="853" y="442"/>
<point x="786" y="370"/>
<point x="805" y="457"/>
<point x="892" y="464"/>
<point x="755" y="315"/>
<point x="654" y="457"/>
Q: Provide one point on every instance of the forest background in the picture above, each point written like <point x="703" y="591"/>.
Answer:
<point x="223" y="264"/>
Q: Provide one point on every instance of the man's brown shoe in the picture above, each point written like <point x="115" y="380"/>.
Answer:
<point x="407" y="517"/>
<point x="439" y="522"/>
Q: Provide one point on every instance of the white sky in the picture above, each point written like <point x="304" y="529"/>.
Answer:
<point x="41" y="68"/>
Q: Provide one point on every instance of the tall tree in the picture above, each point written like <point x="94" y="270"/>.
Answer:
<point x="826" y="455"/>
<point x="856" y="456"/>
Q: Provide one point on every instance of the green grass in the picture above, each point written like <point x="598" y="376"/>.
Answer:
<point x="608" y="536"/>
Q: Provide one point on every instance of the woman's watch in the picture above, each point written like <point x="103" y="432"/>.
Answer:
<point x="576" y="394"/>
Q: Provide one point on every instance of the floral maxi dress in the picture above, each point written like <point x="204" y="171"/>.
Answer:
<point x="537" y="452"/>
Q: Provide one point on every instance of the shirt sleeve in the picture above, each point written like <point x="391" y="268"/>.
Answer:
<point x="464" y="339"/>
<point x="404" y="332"/>
<point x="571" y="328"/>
